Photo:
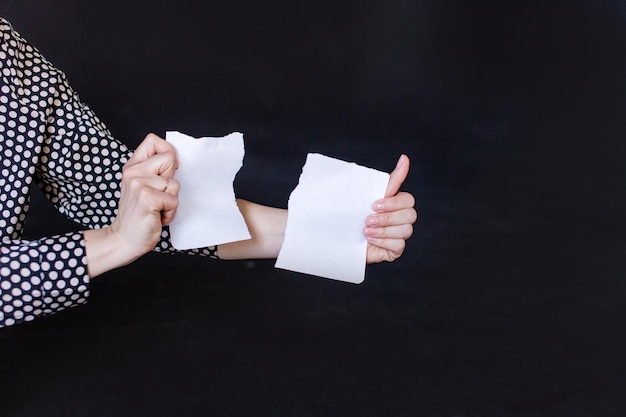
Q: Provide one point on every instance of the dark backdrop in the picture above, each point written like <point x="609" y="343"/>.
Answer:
<point x="509" y="300"/>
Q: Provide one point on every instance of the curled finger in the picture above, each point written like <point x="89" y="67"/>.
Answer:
<point x="403" y="231"/>
<point x="170" y="185"/>
<point x="160" y="195"/>
<point x="151" y="145"/>
<point x="161" y="164"/>
<point x="394" y="218"/>
<point x="397" y="202"/>
<point x="394" y="247"/>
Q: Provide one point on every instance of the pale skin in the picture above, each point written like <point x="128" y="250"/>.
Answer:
<point x="149" y="201"/>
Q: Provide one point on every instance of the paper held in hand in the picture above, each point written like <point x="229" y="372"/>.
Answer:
<point x="207" y="212"/>
<point x="327" y="212"/>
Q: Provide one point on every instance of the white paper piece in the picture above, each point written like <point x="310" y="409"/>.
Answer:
<point x="207" y="212"/>
<point x="327" y="212"/>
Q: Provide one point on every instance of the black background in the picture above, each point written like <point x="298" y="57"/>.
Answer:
<point x="509" y="299"/>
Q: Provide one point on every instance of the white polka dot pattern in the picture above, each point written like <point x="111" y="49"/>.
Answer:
<point x="47" y="134"/>
<point x="41" y="277"/>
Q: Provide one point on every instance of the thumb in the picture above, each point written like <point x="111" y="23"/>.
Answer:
<point x="397" y="176"/>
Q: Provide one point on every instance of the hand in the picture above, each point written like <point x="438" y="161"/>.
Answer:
<point x="148" y="201"/>
<point x="388" y="229"/>
<point x="149" y="195"/>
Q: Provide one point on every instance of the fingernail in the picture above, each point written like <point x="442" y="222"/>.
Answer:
<point x="400" y="162"/>
<point x="372" y="221"/>
<point x="379" y="205"/>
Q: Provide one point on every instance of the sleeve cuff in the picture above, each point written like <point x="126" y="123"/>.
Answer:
<point x="164" y="245"/>
<point x="64" y="276"/>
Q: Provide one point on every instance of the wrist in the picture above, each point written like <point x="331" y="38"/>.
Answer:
<point x="105" y="251"/>
<point x="267" y="229"/>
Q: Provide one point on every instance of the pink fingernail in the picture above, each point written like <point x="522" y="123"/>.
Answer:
<point x="372" y="221"/>
<point x="371" y="239"/>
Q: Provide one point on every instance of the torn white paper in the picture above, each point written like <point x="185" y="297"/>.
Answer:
<point x="207" y="212"/>
<point x="327" y="212"/>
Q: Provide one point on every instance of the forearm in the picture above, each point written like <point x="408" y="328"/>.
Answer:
<point x="267" y="228"/>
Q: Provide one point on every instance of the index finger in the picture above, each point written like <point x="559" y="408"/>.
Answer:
<point x="152" y="145"/>
<point x="397" y="176"/>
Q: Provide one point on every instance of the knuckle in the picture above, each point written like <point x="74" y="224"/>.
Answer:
<point x="174" y="186"/>
<point x="411" y="200"/>
<point x="133" y="183"/>
<point x="151" y="137"/>
<point x="129" y="171"/>
<point x="170" y="157"/>
<point x="399" y="249"/>
<point x="409" y="231"/>
<point x="143" y="193"/>
<point x="138" y="190"/>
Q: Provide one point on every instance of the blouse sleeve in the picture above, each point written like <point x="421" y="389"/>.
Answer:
<point x="48" y="135"/>
<point x="41" y="277"/>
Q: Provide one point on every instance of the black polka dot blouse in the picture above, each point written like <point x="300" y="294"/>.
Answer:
<point x="48" y="136"/>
